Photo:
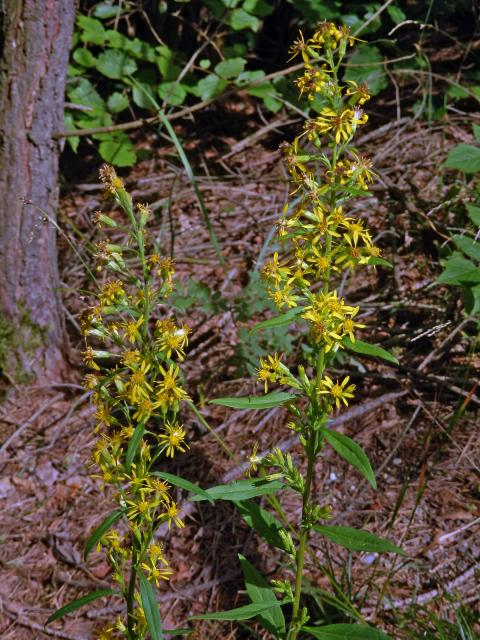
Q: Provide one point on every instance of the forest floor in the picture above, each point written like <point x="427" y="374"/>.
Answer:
<point x="417" y="421"/>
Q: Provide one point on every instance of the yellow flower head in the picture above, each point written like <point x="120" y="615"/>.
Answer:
<point x="173" y="439"/>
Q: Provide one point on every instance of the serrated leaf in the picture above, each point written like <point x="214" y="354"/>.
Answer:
<point x="260" y="591"/>
<point x="278" y="321"/>
<point x="242" y="490"/>
<point x="357" y="539"/>
<point x="172" y="92"/>
<point x="134" y="443"/>
<point x="84" y="57"/>
<point x="79" y="602"/>
<point x="469" y="246"/>
<point x="353" y="453"/>
<point x="464" y="157"/>
<point x="261" y="521"/>
<point x="211" y="86"/>
<point x="83" y="92"/>
<point x="118" y="150"/>
<point x="93" y="30"/>
<point x="101" y="530"/>
<point x="115" y="64"/>
<point x="178" y="481"/>
<point x="369" y="70"/>
<point x="368" y="349"/>
<point x="273" y="399"/>
<point x="150" y="608"/>
<point x="240" y="613"/>
<point x="458" y="270"/>
<point x="230" y="68"/>
<point x="117" y="102"/>
<point x="474" y="213"/>
<point x="346" y="632"/>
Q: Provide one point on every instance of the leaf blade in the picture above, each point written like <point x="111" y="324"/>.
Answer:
<point x="346" y="632"/>
<point x="241" y="490"/>
<point x="268" y="401"/>
<point x="79" y="602"/>
<point x="178" y="481"/>
<point x="350" y="451"/>
<point x="357" y="539"/>
<point x="101" y="530"/>
<point x="150" y="607"/>
<point x="367" y="349"/>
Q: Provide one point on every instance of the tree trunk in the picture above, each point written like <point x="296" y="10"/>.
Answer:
<point x="35" y="38"/>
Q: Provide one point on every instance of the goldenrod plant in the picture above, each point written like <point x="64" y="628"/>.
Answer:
<point x="319" y="239"/>
<point x="134" y="350"/>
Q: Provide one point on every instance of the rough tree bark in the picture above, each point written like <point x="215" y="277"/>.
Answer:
<point x="35" y="38"/>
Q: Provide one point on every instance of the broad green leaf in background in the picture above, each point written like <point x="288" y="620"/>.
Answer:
<point x="471" y="299"/>
<point x="261" y="592"/>
<point x="150" y="607"/>
<point x="459" y="270"/>
<point x="259" y="8"/>
<point x="469" y="246"/>
<point x="73" y="141"/>
<point x="211" y="86"/>
<point x="84" y="57"/>
<point x="177" y="481"/>
<point x="396" y="14"/>
<point x="474" y="213"/>
<point x="273" y="399"/>
<point x="357" y="539"/>
<point x="346" y="632"/>
<point x="476" y="132"/>
<point x="240" y="19"/>
<point x="369" y="70"/>
<point x="93" y="30"/>
<point x="115" y="64"/>
<point x="165" y="59"/>
<point x="106" y="10"/>
<point x="172" y="92"/>
<point x="230" y="68"/>
<point x="240" y="613"/>
<point x="101" y="530"/>
<point x="118" y="150"/>
<point x="262" y="521"/>
<point x="117" y="102"/>
<point x="76" y="604"/>
<point x="242" y="490"/>
<point x="350" y="451"/>
<point x="367" y="349"/>
<point x="464" y="157"/>
<point x="82" y="91"/>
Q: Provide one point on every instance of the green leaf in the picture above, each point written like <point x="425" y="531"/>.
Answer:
<point x="177" y="481"/>
<point x="274" y="399"/>
<point x="346" y="632"/>
<point x="471" y="298"/>
<point x="350" y="451"/>
<point x="230" y="68"/>
<point x="240" y="19"/>
<point x="76" y="604"/>
<point x="117" y="102"/>
<point x="278" y="321"/>
<point x="396" y="14"/>
<point x="106" y="10"/>
<point x="381" y="262"/>
<point x="84" y="57"/>
<point x="73" y="141"/>
<point x="93" y="30"/>
<point x="464" y="157"/>
<point x="242" y="490"/>
<point x="469" y="246"/>
<point x="172" y="92"/>
<point x="369" y="70"/>
<point x="258" y="8"/>
<point x="357" y="539"/>
<point x="211" y="86"/>
<point x="240" y="613"/>
<point x="262" y="521"/>
<point x="459" y="270"/>
<point x="165" y="60"/>
<point x="118" y="150"/>
<point x="101" y="530"/>
<point x="115" y="64"/>
<point x="82" y="91"/>
<point x="140" y="95"/>
<point x="260" y="592"/>
<point x="476" y="132"/>
<point x="134" y="444"/>
<point x="474" y="213"/>
<point x="367" y="349"/>
<point x="150" y="607"/>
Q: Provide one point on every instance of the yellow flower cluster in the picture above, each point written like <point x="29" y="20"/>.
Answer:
<point x="137" y="390"/>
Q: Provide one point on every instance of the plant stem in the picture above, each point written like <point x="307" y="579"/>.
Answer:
<point x="131" y="591"/>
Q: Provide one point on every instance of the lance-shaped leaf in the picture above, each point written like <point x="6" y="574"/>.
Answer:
<point x="278" y="321"/>
<point x="150" y="607"/>
<point x="357" y="539"/>
<point x="134" y="444"/>
<point x="242" y="490"/>
<point x="246" y="612"/>
<point x="346" y="632"/>
<point x="260" y="592"/>
<point x="79" y="602"/>
<point x="177" y="481"/>
<point x="274" y="399"/>
<point x="350" y="451"/>
<point x="262" y="521"/>
<point x="367" y="349"/>
<point x="101" y="530"/>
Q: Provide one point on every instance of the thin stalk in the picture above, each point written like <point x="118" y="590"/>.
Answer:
<point x="131" y="591"/>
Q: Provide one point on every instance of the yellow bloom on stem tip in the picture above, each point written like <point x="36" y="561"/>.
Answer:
<point x="137" y="386"/>
<point x="254" y="460"/>
<point x="269" y="370"/>
<point x="340" y="392"/>
<point x="160" y="487"/>
<point x="173" y="439"/>
<point x="155" y="574"/>
<point x="172" y="339"/>
<point x="131" y="329"/>
<point x="169" y="393"/>
<point x="173" y="515"/>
